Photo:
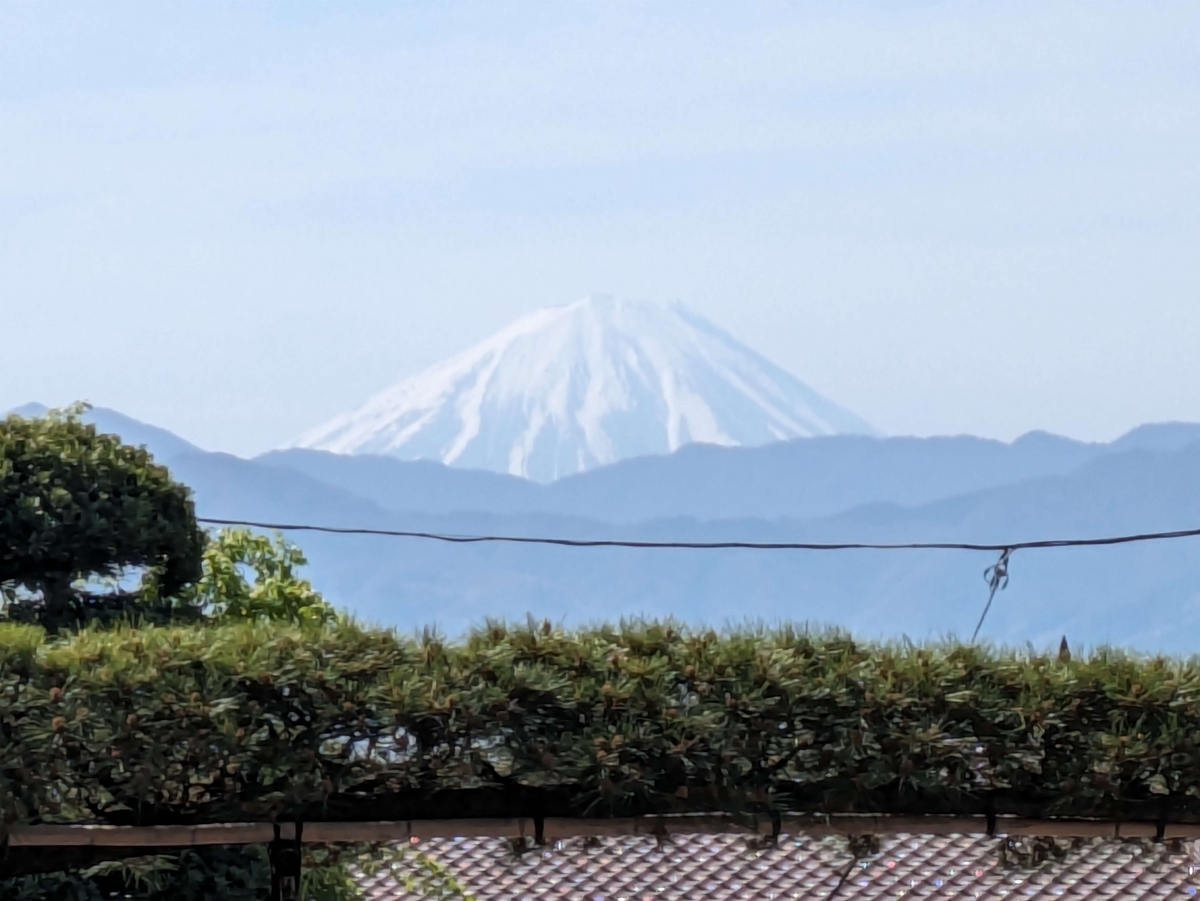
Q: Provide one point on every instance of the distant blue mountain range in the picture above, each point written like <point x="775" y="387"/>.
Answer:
<point x="815" y="489"/>
<point x="801" y="478"/>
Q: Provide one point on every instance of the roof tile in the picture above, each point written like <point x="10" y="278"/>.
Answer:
<point x="717" y="867"/>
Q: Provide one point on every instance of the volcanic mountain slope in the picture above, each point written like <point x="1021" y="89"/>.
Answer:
<point x="566" y="389"/>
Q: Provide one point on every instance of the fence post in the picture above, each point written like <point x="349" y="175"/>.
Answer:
<point x="284" y="855"/>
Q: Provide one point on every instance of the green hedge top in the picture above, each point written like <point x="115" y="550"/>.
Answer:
<point x="254" y="721"/>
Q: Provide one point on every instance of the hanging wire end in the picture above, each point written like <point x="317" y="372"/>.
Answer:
<point x="996" y="576"/>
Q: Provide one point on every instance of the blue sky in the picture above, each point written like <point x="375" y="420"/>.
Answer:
<point x="235" y="220"/>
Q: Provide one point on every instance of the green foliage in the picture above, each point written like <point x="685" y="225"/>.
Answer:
<point x="328" y="873"/>
<point x="276" y="591"/>
<point x="328" y="883"/>
<point x="258" y="720"/>
<point x="427" y="878"/>
<point x="75" y="505"/>
<point x="202" y="874"/>
<point x="238" y="873"/>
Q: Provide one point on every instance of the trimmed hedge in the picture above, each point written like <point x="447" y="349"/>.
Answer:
<point x="258" y="721"/>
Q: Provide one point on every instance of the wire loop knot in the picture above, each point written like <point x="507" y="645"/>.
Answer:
<point x="996" y="576"/>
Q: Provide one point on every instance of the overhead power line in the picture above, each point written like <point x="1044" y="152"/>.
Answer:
<point x="996" y="575"/>
<point x="716" y="545"/>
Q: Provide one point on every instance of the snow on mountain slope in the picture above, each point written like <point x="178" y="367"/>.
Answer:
<point x="569" y="388"/>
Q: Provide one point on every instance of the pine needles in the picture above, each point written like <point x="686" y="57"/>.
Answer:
<point x="261" y="720"/>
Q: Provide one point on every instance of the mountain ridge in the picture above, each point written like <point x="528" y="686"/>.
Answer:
<point x="802" y="478"/>
<point x="1143" y="596"/>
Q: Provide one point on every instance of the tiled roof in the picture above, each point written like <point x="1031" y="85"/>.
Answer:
<point x="729" y="868"/>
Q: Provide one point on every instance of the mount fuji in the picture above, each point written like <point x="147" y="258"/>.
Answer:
<point x="566" y="389"/>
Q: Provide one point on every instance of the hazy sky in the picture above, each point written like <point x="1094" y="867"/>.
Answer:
<point x="235" y="219"/>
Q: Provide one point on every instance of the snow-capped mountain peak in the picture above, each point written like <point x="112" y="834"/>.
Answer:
<point x="573" y="387"/>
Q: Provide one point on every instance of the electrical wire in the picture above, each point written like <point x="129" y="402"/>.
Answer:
<point x="1009" y="546"/>
<point x="995" y="575"/>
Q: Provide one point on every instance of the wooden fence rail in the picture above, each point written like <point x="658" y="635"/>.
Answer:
<point x="552" y="829"/>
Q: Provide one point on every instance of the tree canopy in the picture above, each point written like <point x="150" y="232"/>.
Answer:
<point x="79" y="507"/>
<point x="76" y="504"/>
